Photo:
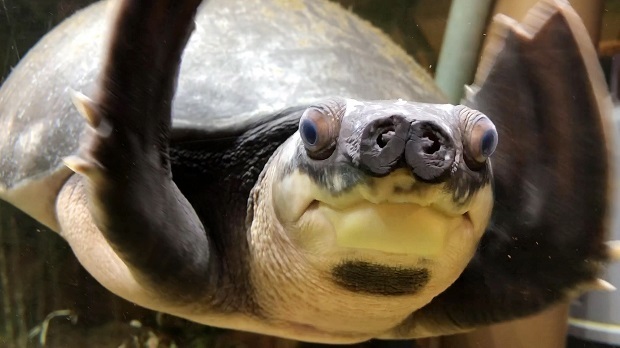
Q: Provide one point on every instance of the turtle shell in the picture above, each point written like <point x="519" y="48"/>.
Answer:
<point x="246" y="60"/>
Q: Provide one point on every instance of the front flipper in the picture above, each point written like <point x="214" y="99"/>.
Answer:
<point x="543" y="88"/>
<point x="131" y="196"/>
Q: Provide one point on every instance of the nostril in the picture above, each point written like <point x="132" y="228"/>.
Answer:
<point x="432" y="142"/>
<point x="382" y="144"/>
<point x="429" y="151"/>
<point x="384" y="138"/>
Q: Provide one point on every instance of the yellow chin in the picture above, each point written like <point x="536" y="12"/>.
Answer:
<point x="399" y="228"/>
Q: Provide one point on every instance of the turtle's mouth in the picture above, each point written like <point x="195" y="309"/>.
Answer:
<point x="392" y="227"/>
<point x="392" y="215"/>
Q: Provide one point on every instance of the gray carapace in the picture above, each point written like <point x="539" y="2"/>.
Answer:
<point x="300" y="177"/>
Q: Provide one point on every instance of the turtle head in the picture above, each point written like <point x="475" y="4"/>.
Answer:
<point x="385" y="187"/>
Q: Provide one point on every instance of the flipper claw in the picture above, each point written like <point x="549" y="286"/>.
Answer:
<point x="82" y="166"/>
<point x="614" y="250"/>
<point x="85" y="107"/>
<point x="603" y="285"/>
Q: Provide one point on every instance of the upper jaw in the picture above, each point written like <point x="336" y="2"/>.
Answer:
<point x="397" y="188"/>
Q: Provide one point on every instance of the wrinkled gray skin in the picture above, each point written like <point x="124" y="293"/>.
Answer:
<point x="247" y="75"/>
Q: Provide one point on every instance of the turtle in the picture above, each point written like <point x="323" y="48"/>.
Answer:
<point x="283" y="168"/>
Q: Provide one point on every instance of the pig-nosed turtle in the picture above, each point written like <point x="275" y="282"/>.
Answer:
<point x="269" y="205"/>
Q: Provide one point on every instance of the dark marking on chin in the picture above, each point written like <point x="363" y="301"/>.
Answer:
<point x="375" y="279"/>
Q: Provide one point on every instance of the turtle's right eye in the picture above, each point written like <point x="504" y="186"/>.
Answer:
<point x="309" y="132"/>
<point x="319" y="133"/>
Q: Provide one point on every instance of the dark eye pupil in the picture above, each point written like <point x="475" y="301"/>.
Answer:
<point x="488" y="143"/>
<point x="309" y="133"/>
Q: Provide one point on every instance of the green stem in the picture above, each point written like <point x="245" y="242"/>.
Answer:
<point x="461" y="46"/>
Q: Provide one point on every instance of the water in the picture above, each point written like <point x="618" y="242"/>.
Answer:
<point x="48" y="299"/>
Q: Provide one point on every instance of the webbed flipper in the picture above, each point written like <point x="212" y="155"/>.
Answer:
<point x="131" y="196"/>
<point x="541" y="84"/>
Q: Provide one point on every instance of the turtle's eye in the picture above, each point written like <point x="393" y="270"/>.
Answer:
<point x="481" y="142"/>
<point x="319" y="133"/>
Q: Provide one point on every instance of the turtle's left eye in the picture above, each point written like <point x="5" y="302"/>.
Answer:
<point x="319" y="133"/>
<point x="481" y="142"/>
